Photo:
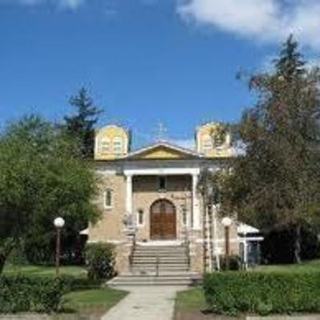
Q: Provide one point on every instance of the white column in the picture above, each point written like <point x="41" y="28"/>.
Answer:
<point x="129" y="195"/>
<point x="195" y="203"/>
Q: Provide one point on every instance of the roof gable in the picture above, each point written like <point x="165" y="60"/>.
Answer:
<point x="163" y="150"/>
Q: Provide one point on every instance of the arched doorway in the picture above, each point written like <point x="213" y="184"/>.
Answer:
<point x="163" y="220"/>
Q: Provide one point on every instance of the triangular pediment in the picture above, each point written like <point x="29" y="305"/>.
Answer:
<point x="163" y="151"/>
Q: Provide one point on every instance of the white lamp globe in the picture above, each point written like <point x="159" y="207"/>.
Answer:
<point x="226" y="221"/>
<point x="59" y="222"/>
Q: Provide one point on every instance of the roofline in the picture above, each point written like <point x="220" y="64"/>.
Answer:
<point x="163" y="144"/>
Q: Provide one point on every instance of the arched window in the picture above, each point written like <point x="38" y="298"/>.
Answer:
<point x="117" y="145"/>
<point x="108" y="199"/>
<point x="206" y="143"/>
<point x="104" y="145"/>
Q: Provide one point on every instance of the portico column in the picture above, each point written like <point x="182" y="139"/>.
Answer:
<point x="129" y="194"/>
<point x="195" y="203"/>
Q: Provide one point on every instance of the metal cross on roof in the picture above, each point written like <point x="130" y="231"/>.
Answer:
<point x="161" y="132"/>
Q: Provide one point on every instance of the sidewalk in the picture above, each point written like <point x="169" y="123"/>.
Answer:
<point x="145" y="303"/>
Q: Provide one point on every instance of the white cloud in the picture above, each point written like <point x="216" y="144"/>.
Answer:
<point x="266" y="20"/>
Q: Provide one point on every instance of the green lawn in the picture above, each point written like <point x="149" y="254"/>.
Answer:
<point x="30" y="270"/>
<point x="308" y="266"/>
<point x="94" y="300"/>
<point x="190" y="300"/>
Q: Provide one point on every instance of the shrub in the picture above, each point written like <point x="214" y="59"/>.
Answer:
<point x="21" y="294"/>
<point x="100" y="260"/>
<point x="234" y="262"/>
<point x="38" y="293"/>
<point x="262" y="293"/>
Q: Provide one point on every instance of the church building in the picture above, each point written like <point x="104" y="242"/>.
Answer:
<point x="152" y="210"/>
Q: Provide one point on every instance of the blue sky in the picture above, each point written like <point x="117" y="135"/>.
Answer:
<point x="144" y="61"/>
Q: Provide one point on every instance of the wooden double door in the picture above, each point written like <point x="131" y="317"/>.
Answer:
<point x="163" y="221"/>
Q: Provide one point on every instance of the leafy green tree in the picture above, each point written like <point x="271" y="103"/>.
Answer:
<point x="81" y="125"/>
<point x="276" y="183"/>
<point x="41" y="177"/>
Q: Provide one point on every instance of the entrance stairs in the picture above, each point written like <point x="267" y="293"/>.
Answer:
<point x="158" y="265"/>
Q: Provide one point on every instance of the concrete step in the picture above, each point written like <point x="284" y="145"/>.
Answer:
<point x="156" y="253"/>
<point x="161" y="265"/>
<point x="160" y="270"/>
<point x="146" y="280"/>
<point x="160" y="260"/>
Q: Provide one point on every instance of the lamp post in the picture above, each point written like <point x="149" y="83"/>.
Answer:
<point x="226" y="221"/>
<point x="59" y="224"/>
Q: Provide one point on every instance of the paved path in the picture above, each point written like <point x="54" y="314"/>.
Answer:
<point x="145" y="303"/>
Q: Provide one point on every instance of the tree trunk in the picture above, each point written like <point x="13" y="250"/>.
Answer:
<point x="2" y="262"/>
<point x="297" y="244"/>
<point x="5" y="250"/>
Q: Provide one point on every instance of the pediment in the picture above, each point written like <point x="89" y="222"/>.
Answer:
<point x="163" y="151"/>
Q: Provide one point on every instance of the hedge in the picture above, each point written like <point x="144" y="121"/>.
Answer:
<point x="37" y="294"/>
<point x="262" y="293"/>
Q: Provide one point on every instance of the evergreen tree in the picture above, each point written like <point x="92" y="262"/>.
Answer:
<point x="81" y="125"/>
<point x="276" y="183"/>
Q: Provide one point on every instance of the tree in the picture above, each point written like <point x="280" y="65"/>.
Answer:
<point x="81" y="124"/>
<point x="41" y="177"/>
<point x="276" y="183"/>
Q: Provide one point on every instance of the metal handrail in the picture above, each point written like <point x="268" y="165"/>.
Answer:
<point x="157" y="265"/>
<point x="187" y="245"/>
<point x="133" y="249"/>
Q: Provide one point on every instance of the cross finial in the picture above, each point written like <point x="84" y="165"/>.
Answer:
<point x="161" y="132"/>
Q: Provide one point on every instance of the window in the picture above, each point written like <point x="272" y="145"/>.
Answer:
<point x="162" y="183"/>
<point x="207" y="143"/>
<point x="108" y="199"/>
<point x="140" y="217"/>
<point x="104" y="145"/>
<point x="117" y="145"/>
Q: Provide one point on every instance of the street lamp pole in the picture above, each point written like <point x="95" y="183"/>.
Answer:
<point x="59" y="224"/>
<point x="226" y="221"/>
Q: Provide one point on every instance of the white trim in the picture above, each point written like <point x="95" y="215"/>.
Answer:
<point x="195" y="203"/>
<point x="129" y="194"/>
<point x="161" y="171"/>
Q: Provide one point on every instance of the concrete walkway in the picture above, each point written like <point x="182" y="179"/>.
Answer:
<point x="145" y="303"/>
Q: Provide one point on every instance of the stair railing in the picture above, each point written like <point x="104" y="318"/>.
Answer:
<point x="133" y="249"/>
<point x="187" y="245"/>
<point x="157" y="265"/>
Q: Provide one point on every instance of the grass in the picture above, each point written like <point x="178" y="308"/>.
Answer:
<point x="32" y="270"/>
<point x="190" y="300"/>
<point x="307" y="266"/>
<point x="94" y="300"/>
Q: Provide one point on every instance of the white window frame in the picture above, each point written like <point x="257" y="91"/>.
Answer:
<point x="100" y="145"/>
<point x="207" y="143"/>
<point x="117" y="145"/>
<point x="105" y="193"/>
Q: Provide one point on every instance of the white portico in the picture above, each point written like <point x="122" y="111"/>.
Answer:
<point x="193" y="219"/>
